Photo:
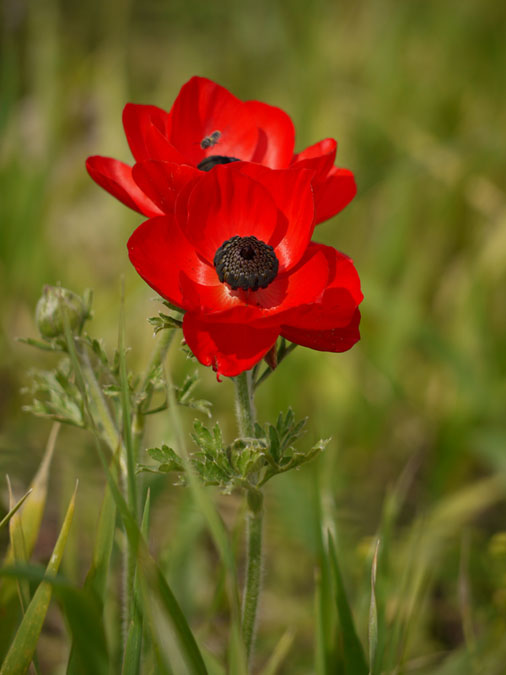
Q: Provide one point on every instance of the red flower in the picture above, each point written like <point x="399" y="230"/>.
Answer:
<point x="237" y="256"/>
<point x="206" y="126"/>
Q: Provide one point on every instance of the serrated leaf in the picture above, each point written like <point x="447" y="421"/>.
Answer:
<point x="169" y="460"/>
<point x="274" y="442"/>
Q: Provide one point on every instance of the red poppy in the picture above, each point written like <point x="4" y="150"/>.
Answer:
<point x="207" y="126"/>
<point x="237" y="256"/>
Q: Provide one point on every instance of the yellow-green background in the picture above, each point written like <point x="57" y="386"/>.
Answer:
<point x="414" y="92"/>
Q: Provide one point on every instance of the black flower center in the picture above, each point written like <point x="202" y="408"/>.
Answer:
<point x="209" y="162"/>
<point x="246" y="263"/>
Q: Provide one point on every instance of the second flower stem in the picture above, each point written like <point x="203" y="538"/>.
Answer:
<point x="245" y="411"/>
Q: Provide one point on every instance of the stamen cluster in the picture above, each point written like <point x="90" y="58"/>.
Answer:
<point x="246" y="263"/>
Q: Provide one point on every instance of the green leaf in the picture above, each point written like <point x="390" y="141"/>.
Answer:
<point x="353" y="653"/>
<point x="168" y="459"/>
<point x="96" y="580"/>
<point x="133" y="647"/>
<point x="13" y="509"/>
<point x="274" y="443"/>
<point x="28" y="519"/>
<point x="373" y="615"/>
<point x="22" y="649"/>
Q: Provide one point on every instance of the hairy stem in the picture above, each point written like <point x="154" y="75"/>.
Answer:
<point x="244" y="406"/>
<point x="245" y="410"/>
<point x="253" y="569"/>
<point x="158" y="357"/>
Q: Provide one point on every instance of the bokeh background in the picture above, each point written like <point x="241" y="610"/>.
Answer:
<point x="414" y="92"/>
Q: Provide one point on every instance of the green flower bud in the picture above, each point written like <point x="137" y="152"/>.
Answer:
<point x="50" y="308"/>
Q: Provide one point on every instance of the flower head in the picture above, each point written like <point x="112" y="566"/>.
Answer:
<point x="51" y="308"/>
<point x="236" y="255"/>
<point x="207" y="127"/>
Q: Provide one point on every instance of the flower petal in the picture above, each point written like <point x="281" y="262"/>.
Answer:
<point x="224" y="203"/>
<point x="229" y="348"/>
<point x="276" y="135"/>
<point x="203" y="108"/>
<point x="163" y="181"/>
<point x="293" y="195"/>
<point x="147" y="129"/>
<point x="326" y="148"/>
<point x="341" y="296"/>
<point x="288" y="294"/>
<point x="334" y="188"/>
<point x="338" y="339"/>
<point x="160" y="252"/>
<point x="116" y="177"/>
<point x="333" y="193"/>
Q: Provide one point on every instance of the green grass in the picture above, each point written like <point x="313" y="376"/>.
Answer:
<point x="414" y="93"/>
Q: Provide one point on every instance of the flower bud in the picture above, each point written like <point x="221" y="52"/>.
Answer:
<point x="50" y="308"/>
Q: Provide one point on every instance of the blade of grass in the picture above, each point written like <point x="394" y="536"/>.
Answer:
<point x="326" y="656"/>
<point x="18" y="547"/>
<point x="13" y="509"/>
<point x="82" y="611"/>
<point x="31" y="513"/>
<point x="23" y="647"/>
<point x="279" y="654"/>
<point x="29" y="519"/>
<point x="353" y="653"/>
<point x="132" y="656"/>
<point x="96" y="579"/>
<point x="373" y="616"/>
<point x="17" y="543"/>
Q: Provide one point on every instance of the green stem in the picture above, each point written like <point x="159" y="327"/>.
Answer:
<point x="245" y="411"/>
<point x="158" y="357"/>
<point x="244" y="406"/>
<point x="253" y="569"/>
<point x="102" y="418"/>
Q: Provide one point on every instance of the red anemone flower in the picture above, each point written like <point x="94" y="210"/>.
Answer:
<point x="237" y="256"/>
<point x="208" y="126"/>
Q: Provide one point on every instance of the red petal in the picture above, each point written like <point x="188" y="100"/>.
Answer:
<point x="332" y="340"/>
<point x="147" y="129"/>
<point x="303" y="286"/>
<point x="334" y="193"/>
<point x="116" y="177"/>
<point x="204" y="107"/>
<point x="225" y="203"/>
<point x="293" y="195"/>
<point x="163" y="181"/>
<point x="229" y="348"/>
<point x="326" y="148"/>
<point x="340" y="299"/>
<point x="159" y="252"/>
<point x="276" y="135"/>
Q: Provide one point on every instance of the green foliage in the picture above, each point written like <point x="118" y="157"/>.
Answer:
<point x="23" y="647"/>
<point x="56" y="395"/>
<point x="425" y="137"/>
<point x="246" y="462"/>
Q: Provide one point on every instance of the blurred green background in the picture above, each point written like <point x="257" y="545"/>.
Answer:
<point x="414" y="92"/>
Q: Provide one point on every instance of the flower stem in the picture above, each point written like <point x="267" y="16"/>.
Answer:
<point x="253" y="569"/>
<point x="244" y="406"/>
<point x="158" y="357"/>
<point x="245" y="411"/>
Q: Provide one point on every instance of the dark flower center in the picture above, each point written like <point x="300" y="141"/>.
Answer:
<point x="246" y="263"/>
<point x="209" y="162"/>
